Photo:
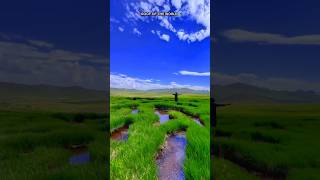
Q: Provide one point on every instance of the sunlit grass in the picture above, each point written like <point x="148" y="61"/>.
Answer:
<point x="136" y="158"/>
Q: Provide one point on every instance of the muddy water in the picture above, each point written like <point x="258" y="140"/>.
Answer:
<point x="170" y="159"/>
<point x="135" y="111"/>
<point x="80" y="155"/>
<point x="163" y="115"/>
<point x="120" y="134"/>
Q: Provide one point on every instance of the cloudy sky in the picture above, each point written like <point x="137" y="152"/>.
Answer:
<point x="160" y="51"/>
<point x="53" y="42"/>
<point x="271" y="43"/>
<point x="274" y="44"/>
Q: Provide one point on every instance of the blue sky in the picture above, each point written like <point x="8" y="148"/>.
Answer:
<point x="71" y="26"/>
<point x="160" y="52"/>
<point x="54" y="42"/>
<point x="270" y="43"/>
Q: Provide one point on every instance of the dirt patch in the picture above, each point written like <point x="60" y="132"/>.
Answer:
<point x="157" y="124"/>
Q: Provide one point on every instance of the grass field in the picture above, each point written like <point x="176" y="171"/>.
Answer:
<point x="40" y="133"/>
<point x="136" y="157"/>
<point x="267" y="141"/>
<point x="37" y="145"/>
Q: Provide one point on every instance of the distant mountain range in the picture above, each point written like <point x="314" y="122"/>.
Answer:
<point x="243" y="93"/>
<point x="17" y="92"/>
<point x="181" y="90"/>
<point x="234" y="93"/>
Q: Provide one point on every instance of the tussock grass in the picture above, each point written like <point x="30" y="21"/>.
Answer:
<point x="136" y="158"/>
<point x="35" y="145"/>
<point x="277" y="141"/>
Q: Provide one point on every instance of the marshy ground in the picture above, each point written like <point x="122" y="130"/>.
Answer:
<point x="267" y="142"/>
<point x="43" y="145"/>
<point x="52" y="133"/>
<point x="163" y="139"/>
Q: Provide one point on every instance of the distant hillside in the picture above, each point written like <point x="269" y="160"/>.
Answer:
<point x="243" y="93"/>
<point x="13" y="92"/>
<point x="181" y="90"/>
<point x="235" y="93"/>
<point x="20" y="97"/>
<point x="160" y="91"/>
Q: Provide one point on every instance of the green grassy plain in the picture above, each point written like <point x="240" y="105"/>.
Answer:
<point x="35" y="145"/>
<point x="136" y="157"/>
<point x="38" y="128"/>
<point x="275" y="141"/>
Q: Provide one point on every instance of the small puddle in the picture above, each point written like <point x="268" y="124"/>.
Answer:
<point x="170" y="159"/>
<point x="80" y="155"/>
<point x="120" y="134"/>
<point x="135" y="111"/>
<point x="163" y="115"/>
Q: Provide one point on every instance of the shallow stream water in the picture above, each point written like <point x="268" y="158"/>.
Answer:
<point x="80" y="155"/>
<point x="170" y="159"/>
<point x="120" y="134"/>
<point x="163" y="115"/>
<point x="135" y="111"/>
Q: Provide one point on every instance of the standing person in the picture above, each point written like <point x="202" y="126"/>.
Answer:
<point x="176" y="96"/>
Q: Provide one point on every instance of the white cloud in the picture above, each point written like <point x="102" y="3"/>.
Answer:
<point x="176" y="3"/>
<point x="166" y="24"/>
<point x="120" y="29"/>
<point x="164" y="37"/>
<point x="136" y="31"/>
<point x="157" y="2"/>
<point x="197" y="36"/>
<point x="191" y="73"/>
<point x="126" y="82"/>
<point x="195" y="11"/>
<point x="240" y="35"/>
<point x="145" y="6"/>
<point x="166" y="8"/>
<point x="26" y="61"/>
<point x="40" y="43"/>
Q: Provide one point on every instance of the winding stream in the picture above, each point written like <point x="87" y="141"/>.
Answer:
<point x="170" y="159"/>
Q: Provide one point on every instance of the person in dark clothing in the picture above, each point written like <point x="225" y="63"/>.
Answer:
<point x="176" y="96"/>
